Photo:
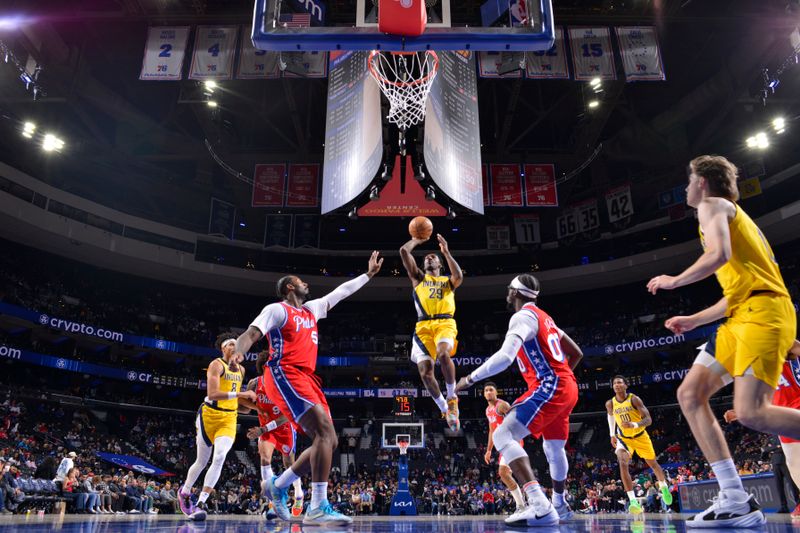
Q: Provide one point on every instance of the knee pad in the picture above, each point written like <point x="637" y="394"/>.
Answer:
<point x="557" y="458"/>
<point x="505" y="444"/>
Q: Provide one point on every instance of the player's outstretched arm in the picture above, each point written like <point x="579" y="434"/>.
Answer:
<point x="646" y="418"/>
<point x="321" y="306"/>
<point x="681" y="324"/>
<point x="713" y="216"/>
<point x="413" y="271"/>
<point x="612" y="423"/>
<point x="572" y="350"/>
<point x="456" y="275"/>
<point x="256" y="431"/>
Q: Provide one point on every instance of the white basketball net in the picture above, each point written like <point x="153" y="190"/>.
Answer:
<point x="403" y="447"/>
<point x="405" y="78"/>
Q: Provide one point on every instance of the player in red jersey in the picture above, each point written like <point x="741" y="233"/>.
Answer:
<point x="291" y="383"/>
<point x="495" y="413"/>
<point x="546" y="356"/>
<point x="786" y="395"/>
<point x="273" y="433"/>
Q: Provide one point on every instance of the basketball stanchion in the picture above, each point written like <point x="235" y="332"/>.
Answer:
<point x="402" y="501"/>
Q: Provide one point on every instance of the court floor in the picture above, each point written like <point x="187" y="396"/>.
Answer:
<point x="382" y="524"/>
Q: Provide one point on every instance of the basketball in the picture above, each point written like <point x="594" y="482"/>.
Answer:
<point x="420" y="228"/>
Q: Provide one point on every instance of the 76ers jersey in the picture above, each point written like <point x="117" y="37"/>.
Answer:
<point x="494" y="418"/>
<point x="788" y="392"/>
<point x="540" y="358"/>
<point x="267" y="410"/>
<point x="295" y="342"/>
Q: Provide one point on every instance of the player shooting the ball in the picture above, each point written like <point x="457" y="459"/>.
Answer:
<point x="435" y="333"/>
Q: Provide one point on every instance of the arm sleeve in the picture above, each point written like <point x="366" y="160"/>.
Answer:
<point x="271" y="317"/>
<point x="612" y="425"/>
<point x="321" y="306"/>
<point x="499" y="361"/>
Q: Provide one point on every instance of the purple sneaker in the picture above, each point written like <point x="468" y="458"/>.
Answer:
<point x="184" y="500"/>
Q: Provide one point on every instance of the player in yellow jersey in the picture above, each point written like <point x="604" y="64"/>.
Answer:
<point x="628" y="419"/>
<point x="435" y="334"/>
<point x="216" y="423"/>
<point x="751" y="344"/>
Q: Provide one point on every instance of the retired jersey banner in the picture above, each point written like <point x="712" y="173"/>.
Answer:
<point x="213" y="53"/>
<point x="278" y="230"/>
<point x="313" y="64"/>
<point x="619" y="203"/>
<point x="641" y="57"/>
<point x="163" y="53"/>
<point x="592" y="55"/>
<point x="485" y="175"/>
<point x="255" y="64"/>
<point x="549" y="64"/>
<point x="268" y="185"/>
<point x="506" y="186"/>
<point x="540" y="186"/>
<point x="526" y="229"/>
<point x="489" y="63"/>
<point x="221" y="219"/>
<point x="302" y="188"/>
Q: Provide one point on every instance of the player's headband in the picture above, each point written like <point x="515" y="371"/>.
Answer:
<point x="226" y="341"/>
<point x="522" y="289"/>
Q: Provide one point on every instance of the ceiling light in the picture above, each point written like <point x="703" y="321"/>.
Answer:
<point x="595" y="82"/>
<point x="52" y="143"/>
<point x="374" y="194"/>
<point x="28" y="129"/>
<point x="451" y="214"/>
<point x="353" y="214"/>
<point x="594" y="103"/>
<point x="779" y="124"/>
<point x="210" y="85"/>
<point x="430" y="193"/>
<point x="211" y="103"/>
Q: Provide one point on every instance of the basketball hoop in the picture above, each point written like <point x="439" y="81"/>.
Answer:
<point x="403" y="446"/>
<point x="405" y="78"/>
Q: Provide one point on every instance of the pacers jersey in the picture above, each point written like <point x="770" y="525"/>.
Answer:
<point x="267" y="410"/>
<point x="434" y="298"/>
<point x="752" y="266"/>
<point x="541" y="359"/>
<point x="624" y="411"/>
<point x="494" y="418"/>
<point x="295" y="342"/>
<point x="788" y="392"/>
<point x="229" y="381"/>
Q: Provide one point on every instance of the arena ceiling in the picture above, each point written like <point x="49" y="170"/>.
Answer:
<point x="140" y="146"/>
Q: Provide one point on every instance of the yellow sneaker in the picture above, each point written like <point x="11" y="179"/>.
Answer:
<point x="635" y="507"/>
<point x="452" y="414"/>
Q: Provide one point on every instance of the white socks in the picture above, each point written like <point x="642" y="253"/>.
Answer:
<point x="518" y="499"/>
<point x="632" y="496"/>
<point x="203" y="497"/>
<point x="287" y="478"/>
<point x="441" y="403"/>
<point x="451" y="390"/>
<point x="319" y="495"/>
<point x="298" y="489"/>
<point x="535" y="495"/>
<point x="727" y="476"/>
<point x="266" y="472"/>
<point x="558" y="498"/>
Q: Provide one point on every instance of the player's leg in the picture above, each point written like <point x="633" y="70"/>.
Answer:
<point x="222" y="445"/>
<point x="792" y="452"/>
<point x="752" y="401"/>
<point x="624" y="458"/>
<point x="444" y="335"/>
<point x="508" y="480"/>
<point x="663" y="486"/>
<point x="423" y="351"/>
<point x="428" y="378"/>
<point x="288" y="460"/>
<point x="265" y="450"/>
<point x="203" y="455"/>
<point x="554" y="450"/>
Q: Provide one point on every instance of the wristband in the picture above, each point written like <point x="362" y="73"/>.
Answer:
<point x="233" y="395"/>
<point x="635" y="424"/>
<point x="271" y="425"/>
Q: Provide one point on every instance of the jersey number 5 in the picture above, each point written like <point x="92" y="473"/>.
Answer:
<point x="314" y="337"/>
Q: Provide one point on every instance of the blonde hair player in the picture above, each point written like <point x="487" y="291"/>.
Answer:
<point x="495" y="412"/>
<point x="751" y="344"/>
<point x="435" y="332"/>
<point x="216" y="423"/>
<point x="628" y="419"/>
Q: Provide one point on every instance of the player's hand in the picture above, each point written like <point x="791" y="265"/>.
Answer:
<point x="248" y="395"/>
<point x="730" y="416"/>
<point x="614" y="443"/>
<point x="462" y="384"/>
<point x="680" y="324"/>
<point x="794" y="351"/>
<point x="254" y="432"/>
<point x="375" y="264"/>
<point x="502" y="408"/>
<point x="442" y="244"/>
<point x="487" y="457"/>
<point x="626" y="425"/>
<point x="661" y="282"/>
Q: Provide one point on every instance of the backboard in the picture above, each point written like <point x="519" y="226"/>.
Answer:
<point x="411" y="432"/>
<point x="444" y="31"/>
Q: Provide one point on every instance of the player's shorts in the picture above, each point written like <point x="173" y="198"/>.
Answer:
<point x="639" y="444"/>
<point x="757" y="336"/>
<point x="282" y="437"/>
<point x="294" y="391"/>
<point x="213" y="422"/>
<point x="502" y="460"/>
<point x="427" y="336"/>
<point x="545" y="410"/>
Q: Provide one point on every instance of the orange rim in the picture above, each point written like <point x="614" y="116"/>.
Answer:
<point x="378" y="76"/>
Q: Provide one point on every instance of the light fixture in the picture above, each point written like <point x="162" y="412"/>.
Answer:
<point x="353" y="214"/>
<point x="28" y="129"/>
<point x="451" y="214"/>
<point x="210" y="85"/>
<point x="386" y="173"/>
<point x="779" y="124"/>
<point x="595" y="82"/>
<point x="51" y="143"/>
<point x="419" y="174"/>
<point x="374" y="194"/>
<point x="593" y="104"/>
<point x="430" y="193"/>
<point x="759" y="140"/>
<point x="211" y="103"/>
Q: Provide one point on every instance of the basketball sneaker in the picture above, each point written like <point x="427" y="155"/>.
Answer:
<point x="325" y="515"/>
<point x="666" y="495"/>
<point x="200" y="513"/>
<point x="534" y="516"/>
<point x="185" y="502"/>
<point x="297" y="508"/>
<point x="635" y="507"/>
<point x="727" y="512"/>
<point x="452" y="415"/>
<point x="279" y="498"/>
<point x="270" y="513"/>
<point x="796" y="513"/>
<point x="564" y="511"/>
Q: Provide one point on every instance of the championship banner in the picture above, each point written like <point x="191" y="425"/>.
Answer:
<point x="213" y="53"/>
<point x="641" y="56"/>
<point x="278" y="231"/>
<point x="485" y="175"/>
<point x="527" y="229"/>
<point x="129" y="462"/>
<point x="255" y="64"/>
<point x="506" y="185"/>
<point x="489" y="64"/>
<point x="619" y="203"/>
<point x="540" y="186"/>
<point x="303" y="186"/>
<point x="221" y="219"/>
<point x="549" y="64"/>
<point x="498" y="237"/>
<point x="305" y="233"/>
<point x="268" y="185"/>
<point x="592" y="55"/>
<point x="163" y="53"/>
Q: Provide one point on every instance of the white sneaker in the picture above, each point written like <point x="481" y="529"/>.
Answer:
<point x="533" y="517"/>
<point x="513" y="517"/>
<point x="726" y="512"/>
<point x="564" y="511"/>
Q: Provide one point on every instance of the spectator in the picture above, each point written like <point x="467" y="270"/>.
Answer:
<point x="67" y="463"/>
